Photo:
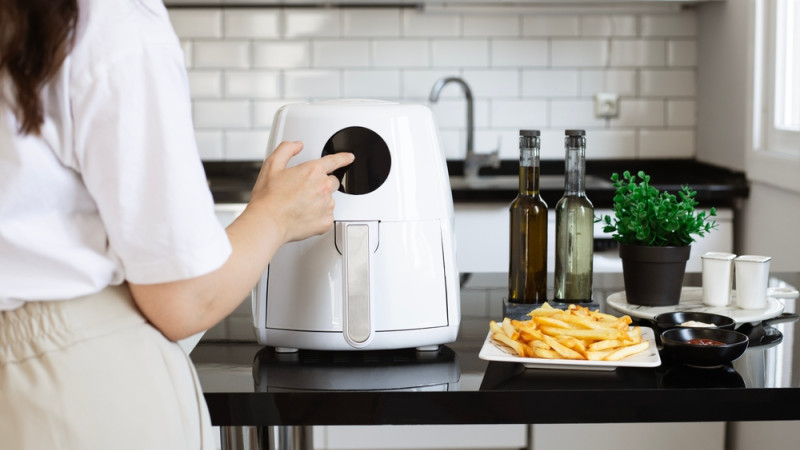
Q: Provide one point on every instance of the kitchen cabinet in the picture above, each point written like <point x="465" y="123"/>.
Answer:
<point x="659" y="436"/>
<point x="482" y="236"/>
<point x="422" y="2"/>
<point x="226" y="213"/>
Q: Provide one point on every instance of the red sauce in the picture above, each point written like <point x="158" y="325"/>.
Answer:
<point x="704" y="342"/>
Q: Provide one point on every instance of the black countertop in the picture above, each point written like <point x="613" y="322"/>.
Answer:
<point x="231" y="182"/>
<point x="246" y="384"/>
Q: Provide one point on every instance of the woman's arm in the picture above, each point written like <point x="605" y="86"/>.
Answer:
<point x="287" y="204"/>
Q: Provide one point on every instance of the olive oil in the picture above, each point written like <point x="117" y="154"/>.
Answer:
<point x="574" y="227"/>
<point x="527" y="271"/>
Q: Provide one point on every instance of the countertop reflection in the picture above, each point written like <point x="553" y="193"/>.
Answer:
<point x="249" y="384"/>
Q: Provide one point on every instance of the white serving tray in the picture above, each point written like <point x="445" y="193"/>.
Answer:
<point x="648" y="358"/>
<point x="692" y="300"/>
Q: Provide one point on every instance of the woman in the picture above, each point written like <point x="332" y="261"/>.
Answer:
<point x="109" y="247"/>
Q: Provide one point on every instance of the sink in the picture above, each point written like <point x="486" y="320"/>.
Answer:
<point x="511" y="182"/>
<point x="230" y="189"/>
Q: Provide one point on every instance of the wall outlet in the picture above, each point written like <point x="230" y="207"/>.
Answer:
<point x="606" y="105"/>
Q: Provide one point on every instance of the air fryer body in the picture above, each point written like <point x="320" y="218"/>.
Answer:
<point x="384" y="277"/>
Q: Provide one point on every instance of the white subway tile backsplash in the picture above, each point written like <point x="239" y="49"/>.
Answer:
<point x="681" y="113"/>
<point x="525" y="71"/>
<point x="482" y="111"/>
<point x="639" y="113"/>
<point x="611" y="144"/>
<point x="417" y="84"/>
<point x="460" y="53"/>
<point x="196" y="23"/>
<point x="622" y="82"/>
<point x="246" y="145"/>
<point x="330" y="53"/>
<point x="679" y="24"/>
<point x="252" y="84"/>
<point x="489" y="140"/>
<point x="521" y="114"/>
<point x="551" y="26"/>
<point x="552" y="144"/>
<point x="221" y="54"/>
<point x="578" y="52"/>
<point x="451" y="143"/>
<point x="205" y="83"/>
<point x="493" y="83"/>
<point x="400" y="53"/>
<point x="255" y="23"/>
<point x="209" y="145"/>
<point x="312" y="84"/>
<point x="667" y="83"/>
<point x="681" y="53"/>
<point x="574" y="114"/>
<point x="186" y="47"/>
<point x="282" y="54"/>
<point x="666" y="143"/>
<point x="638" y="53"/>
<point x="611" y="26"/>
<point x="450" y="113"/>
<point x="509" y="144"/>
<point x="371" y="23"/>
<point x="264" y="111"/>
<point x="491" y="26"/>
<point x="377" y="84"/>
<point x="312" y="22"/>
<point x="221" y="113"/>
<point x="519" y="53"/>
<point x="419" y="24"/>
<point x="550" y="83"/>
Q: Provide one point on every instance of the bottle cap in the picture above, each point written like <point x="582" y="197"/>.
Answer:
<point x="575" y="132"/>
<point x="529" y="132"/>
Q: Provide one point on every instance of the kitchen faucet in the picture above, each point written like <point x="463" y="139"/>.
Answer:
<point x="473" y="161"/>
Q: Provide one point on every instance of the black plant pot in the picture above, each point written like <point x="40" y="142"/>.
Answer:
<point x="653" y="275"/>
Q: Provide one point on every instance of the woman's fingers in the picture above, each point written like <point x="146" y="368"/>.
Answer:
<point x="285" y="151"/>
<point x="336" y="161"/>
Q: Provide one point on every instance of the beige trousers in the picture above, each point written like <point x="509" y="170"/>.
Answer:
<point x="91" y="373"/>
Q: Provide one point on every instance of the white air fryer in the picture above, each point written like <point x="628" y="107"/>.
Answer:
<point x="384" y="277"/>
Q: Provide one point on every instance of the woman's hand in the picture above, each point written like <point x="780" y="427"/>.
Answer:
<point x="297" y="199"/>
<point x="287" y="204"/>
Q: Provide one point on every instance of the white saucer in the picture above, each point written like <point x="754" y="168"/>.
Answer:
<point x="648" y="358"/>
<point x="692" y="300"/>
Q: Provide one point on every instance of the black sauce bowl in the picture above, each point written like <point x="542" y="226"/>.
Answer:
<point x="677" y="346"/>
<point x="667" y="321"/>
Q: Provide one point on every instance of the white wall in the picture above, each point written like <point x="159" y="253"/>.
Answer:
<point x="722" y="83"/>
<point x="529" y="71"/>
<point x="724" y="67"/>
<point x="770" y="215"/>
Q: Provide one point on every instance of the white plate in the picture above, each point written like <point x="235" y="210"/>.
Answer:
<point x="692" y="300"/>
<point x="648" y="358"/>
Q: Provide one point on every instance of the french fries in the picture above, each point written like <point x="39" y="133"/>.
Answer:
<point x="574" y="333"/>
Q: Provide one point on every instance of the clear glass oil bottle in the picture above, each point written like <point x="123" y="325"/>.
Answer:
<point x="574" y="226"/>
<point x="527" y="271"/>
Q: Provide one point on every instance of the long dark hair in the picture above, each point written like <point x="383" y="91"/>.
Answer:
<point x="35" y="37"/>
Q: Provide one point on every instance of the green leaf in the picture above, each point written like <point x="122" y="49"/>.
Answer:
<point x="646" y="216"/>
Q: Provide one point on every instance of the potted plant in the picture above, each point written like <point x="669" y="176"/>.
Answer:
<point x="655" y="231"/>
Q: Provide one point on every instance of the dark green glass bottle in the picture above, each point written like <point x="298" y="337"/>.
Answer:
<point x="527" y="268"/>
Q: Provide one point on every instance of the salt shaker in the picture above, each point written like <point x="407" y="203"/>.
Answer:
<point x="717" y="278"/>
<point x="752" y="277"/>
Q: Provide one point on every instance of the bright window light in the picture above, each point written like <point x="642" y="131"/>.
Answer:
<point x="787" y="66"/>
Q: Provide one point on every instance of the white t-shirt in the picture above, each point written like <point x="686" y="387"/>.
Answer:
<point x="114" y="188"/>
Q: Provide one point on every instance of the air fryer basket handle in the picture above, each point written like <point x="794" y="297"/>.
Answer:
<point x="357" y="326"/>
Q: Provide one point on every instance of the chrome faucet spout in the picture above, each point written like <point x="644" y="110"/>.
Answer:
<point x="434" y="97"/>
<point x="473" y="161"/>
